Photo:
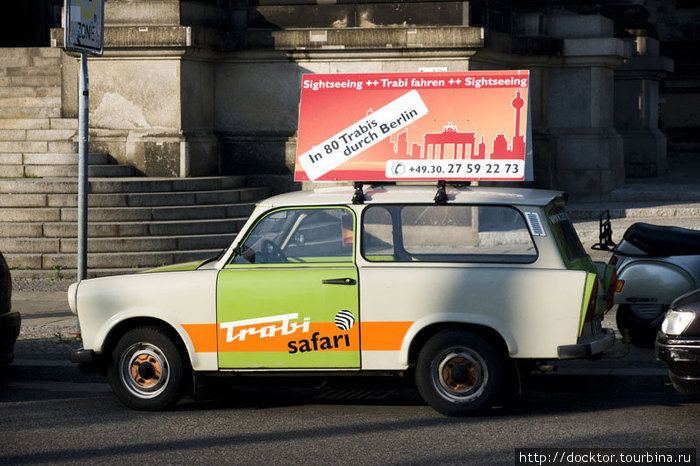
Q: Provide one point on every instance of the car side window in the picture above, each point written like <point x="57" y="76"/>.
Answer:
<point x="300" y="235"/>
<point x="453" y="233"/>
<point x="377" y="234"/>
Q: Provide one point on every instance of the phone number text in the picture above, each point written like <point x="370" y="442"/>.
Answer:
<point x="449" y="169"/>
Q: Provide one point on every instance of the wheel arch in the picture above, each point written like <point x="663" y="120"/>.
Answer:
<point x="124" y="326"/>
<point x="427" y="332"/>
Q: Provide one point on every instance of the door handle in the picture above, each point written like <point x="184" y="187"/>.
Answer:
<point x="339" y="281"/>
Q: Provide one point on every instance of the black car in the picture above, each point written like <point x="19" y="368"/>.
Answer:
<point x="678" y="342"/>
<point x="9" y="321"/>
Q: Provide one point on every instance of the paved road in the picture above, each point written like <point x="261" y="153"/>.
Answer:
<point x="70" y="421"/>
<point x="53" y="414"/>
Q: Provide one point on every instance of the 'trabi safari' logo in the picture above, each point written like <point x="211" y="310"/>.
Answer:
<point x="276" y="325"/>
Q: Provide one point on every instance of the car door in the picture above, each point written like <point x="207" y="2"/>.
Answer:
<point x="289" y="297"/>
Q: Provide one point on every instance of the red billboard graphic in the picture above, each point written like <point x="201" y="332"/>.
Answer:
<point x="414" y="126"/>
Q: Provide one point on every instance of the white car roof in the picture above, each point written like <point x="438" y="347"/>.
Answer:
<point x="390" y="194"/>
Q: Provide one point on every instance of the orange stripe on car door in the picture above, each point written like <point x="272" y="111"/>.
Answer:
<point x="374" y="336"/>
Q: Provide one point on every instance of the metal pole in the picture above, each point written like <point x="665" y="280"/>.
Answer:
<point x="83" y="150"/>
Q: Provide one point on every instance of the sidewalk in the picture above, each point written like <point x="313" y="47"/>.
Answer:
<point x="48" y="325"/>
<point x="48" y="337"/>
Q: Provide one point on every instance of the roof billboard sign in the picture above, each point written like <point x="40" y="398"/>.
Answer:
<point x="414" y="126"/>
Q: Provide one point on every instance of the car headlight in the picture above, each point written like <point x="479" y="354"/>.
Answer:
<point x="676" y="322"/>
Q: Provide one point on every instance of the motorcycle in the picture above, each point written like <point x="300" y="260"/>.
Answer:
<point x="654" y="264"/>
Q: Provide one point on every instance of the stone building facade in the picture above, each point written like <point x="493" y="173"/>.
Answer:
<point x="193" y="88"/>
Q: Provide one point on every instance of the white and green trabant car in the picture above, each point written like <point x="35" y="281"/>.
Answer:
<point x="374" y="281"/>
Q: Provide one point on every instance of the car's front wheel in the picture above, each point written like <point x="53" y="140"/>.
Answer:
<point x="147" y="371"/>
<point x="460" y="373"/>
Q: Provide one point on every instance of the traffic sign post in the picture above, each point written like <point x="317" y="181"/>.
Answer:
<point x="84" y="33"/>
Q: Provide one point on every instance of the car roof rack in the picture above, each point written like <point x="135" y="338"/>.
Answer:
<point x="358" y="197"/>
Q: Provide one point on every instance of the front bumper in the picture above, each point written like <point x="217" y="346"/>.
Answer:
<point x="682" y="354"/>
<point x="588" y="346"/>
<point x="88" y="361"/>
<point x="10" y="325"/>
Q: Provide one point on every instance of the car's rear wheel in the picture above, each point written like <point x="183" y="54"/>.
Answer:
<point x="147" y="371"/>
<point x="460" y="373"/>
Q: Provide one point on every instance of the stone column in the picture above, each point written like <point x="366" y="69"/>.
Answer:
<point x="152" y="93"/>
<point x="637" y="109"/>
<point x="578" y="106"/>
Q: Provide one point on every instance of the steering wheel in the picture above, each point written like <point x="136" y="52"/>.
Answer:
<point x="272" y="252"/>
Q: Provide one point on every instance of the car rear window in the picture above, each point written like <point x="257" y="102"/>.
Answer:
<point x="453" y="233"/>
<point x="564" y="234"/>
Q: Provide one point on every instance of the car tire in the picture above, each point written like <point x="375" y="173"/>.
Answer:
<point x="148" y="371"/>
<point x="460" y="373"/>
<point x="641" y="332"/>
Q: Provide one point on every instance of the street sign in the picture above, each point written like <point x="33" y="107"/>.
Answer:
<point x="415" y="126"/>
<point x="83" y="31"/>
<point x="84" y="26"/>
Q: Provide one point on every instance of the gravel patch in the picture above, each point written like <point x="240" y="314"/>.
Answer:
<point x="40" y="284"/>
<point x="45" y="348"/>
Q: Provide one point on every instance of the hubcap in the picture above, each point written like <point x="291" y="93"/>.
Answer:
<point x="144" y="370"/>
<point x="460" y="375"/>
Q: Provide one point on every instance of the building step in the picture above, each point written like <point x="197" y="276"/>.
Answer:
<point x="588" y="230"/>
<point x="637" y="210"/>
<point x="31" y="112"/>
<point x="40" y="67"/>
<point x="38" y="134"/>
<point x="71" y="171"/>
<point x="33" y="147"/>
<point x="124" y="244"/>
<point x="70" y="274"/>
<point x="31" y="81"/>
<point x="24" y="102"/>
<point x="129" y="185"/>
<point x="143" y="214"/>
<point x="30" y="91"/>
<point x="108" y="260"/>
<point x="224" y="196"/>
<point x="52" y="159"/>
<point x="120" y="214"/>
<point x="38" y="123"/>
<point x="27" y="56"/>
<point x="125" y="229"/>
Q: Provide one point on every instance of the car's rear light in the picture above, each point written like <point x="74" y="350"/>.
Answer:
<point x="590" y="311"/>
<point x="613" y="260"/>
<point x="611" y="289"/>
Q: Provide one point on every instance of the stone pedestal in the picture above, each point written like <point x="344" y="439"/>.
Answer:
<point x="576" y="146"/>
<point x="637" y="109"/>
